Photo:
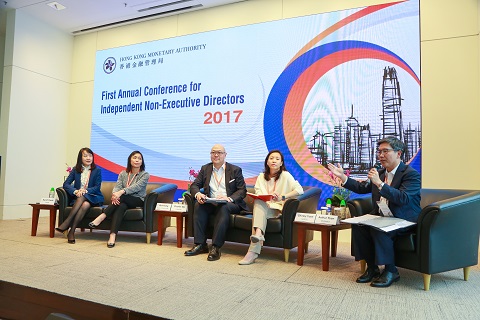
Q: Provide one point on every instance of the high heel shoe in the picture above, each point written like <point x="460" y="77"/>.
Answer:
<point x="110" y="245"/>
<point x="92" y="225"/>
<point x="62" y="231"/>
<point x="254" y="238"/>
<point x="249" y="258"/>
<point x="71" y="241"/>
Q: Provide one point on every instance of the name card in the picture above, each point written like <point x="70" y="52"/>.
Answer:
<point x="327" y="219"/>
<point x="305" y="217"/>
<point x="47" y="201"/>
<point x="163" y="206"/>
<point x="179" y="207"/>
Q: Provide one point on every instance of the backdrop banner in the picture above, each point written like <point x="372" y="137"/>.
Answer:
<point x="320" y="88"/>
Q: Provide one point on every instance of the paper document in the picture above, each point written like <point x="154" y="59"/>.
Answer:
<point x="382" y="223"/>
<point x="384" y="209"/>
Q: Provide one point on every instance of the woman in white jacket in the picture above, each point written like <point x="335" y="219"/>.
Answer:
<point x="280" y="184"/>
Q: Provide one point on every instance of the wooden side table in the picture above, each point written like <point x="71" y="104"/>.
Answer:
<point x="327" y="231"/>
<point x="36" y="207"/>
<point x="179" y="216"/>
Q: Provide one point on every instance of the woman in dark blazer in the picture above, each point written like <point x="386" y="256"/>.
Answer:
<point x="83" y="188"/>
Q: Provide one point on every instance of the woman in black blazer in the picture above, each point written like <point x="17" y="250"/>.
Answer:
<point x="83" y="188"/>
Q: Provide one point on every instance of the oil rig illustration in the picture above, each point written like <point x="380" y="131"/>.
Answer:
<point x="352" y="144"/>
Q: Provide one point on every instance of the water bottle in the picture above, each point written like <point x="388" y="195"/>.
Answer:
<point x="329" y="206"/>
<point x="51" y="194"/>
<point x="343" y="209"/>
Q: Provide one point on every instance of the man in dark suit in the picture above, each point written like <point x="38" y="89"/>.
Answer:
<point x="398" y="186"/>
<point x="221" y="181"/>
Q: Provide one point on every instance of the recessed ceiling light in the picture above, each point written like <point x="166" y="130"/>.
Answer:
<point x="55" y="5"/>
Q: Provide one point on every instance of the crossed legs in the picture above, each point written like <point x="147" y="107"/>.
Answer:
<point x="261" y="213"/>
<point x="80" y="207"/>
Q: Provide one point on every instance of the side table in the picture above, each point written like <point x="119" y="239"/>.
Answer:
<point x="179" y="216"/>
<point x="327" y="231"/>
<point x="36" y="207"/>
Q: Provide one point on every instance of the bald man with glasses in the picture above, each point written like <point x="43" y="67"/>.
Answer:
<point x="398" y="186"/>
<point x="223" y="182"/>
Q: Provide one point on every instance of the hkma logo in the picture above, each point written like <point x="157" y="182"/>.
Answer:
<point x="109" y="65"/>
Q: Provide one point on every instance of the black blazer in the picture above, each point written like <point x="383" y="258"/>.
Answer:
<point x="234" y="183"/>
<point x="403" y="194"/>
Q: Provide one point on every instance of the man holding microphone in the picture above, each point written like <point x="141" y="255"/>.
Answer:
<point x="396" y="188"/>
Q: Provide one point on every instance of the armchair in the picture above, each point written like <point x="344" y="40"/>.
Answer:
<point x="446" y="236"/>
<point x="280" y="233"/>
<point x="136" y="220"/>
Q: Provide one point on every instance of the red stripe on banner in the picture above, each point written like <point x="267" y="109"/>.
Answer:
<point x="340" y="24"/>
<point x="115" y="168"/>
<point x="292" y="118"/>
<point x="182" y="184"/>
<point x="107" y="164"/>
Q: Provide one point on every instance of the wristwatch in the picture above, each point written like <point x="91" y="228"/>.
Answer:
<point x="381" y="186"/>
<point x="283" y="198"/>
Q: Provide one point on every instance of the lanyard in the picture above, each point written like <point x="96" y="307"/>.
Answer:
<point x="386" y="178"/>
<point x="218" y="181"/>
<point x="129" y="182"/>
<point x="382" y="199"/>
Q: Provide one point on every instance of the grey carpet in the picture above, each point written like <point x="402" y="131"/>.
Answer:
<point x="161" y="281"/>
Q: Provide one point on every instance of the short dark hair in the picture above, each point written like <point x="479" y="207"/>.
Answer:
<point x="396" y="144"/>
<point x="78" y="166"/>
<point x="129" y="163"/>
<point x="266" y="173"/>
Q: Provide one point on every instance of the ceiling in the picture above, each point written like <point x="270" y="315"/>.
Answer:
<point x="81" y="16"/>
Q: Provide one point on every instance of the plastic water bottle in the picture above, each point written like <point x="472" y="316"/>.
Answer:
<point x="343" y="209"/>
<point x="329" y="206"/>
<point x="51" y="194"/>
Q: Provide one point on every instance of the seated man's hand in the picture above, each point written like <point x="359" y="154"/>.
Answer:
<point x="200" y="198"/>
<point x="223" y="197"/>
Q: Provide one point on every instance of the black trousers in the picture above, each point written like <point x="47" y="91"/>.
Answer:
<point x="221" y="213"/>
<point x="117" y="212"/>
<point x="374" y="246"/>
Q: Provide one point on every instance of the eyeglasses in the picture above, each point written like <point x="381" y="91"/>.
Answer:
<point x="383" y="151"/>
<point x="217" y="153"/>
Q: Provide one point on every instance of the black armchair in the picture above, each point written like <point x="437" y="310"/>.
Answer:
<point x="280" y="233"/>
<point x="446" y="236"/>
<point x="136" y="220"/>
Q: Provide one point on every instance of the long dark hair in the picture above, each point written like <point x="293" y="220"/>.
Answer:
<point x="78" y="166"/>
<point x="266" y="172"/>
<point x="129" y="161"/>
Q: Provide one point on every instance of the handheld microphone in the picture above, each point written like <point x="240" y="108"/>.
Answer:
<point x="377" y="166"/>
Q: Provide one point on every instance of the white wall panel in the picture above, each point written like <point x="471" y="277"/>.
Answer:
<point x="35" y="102"/>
